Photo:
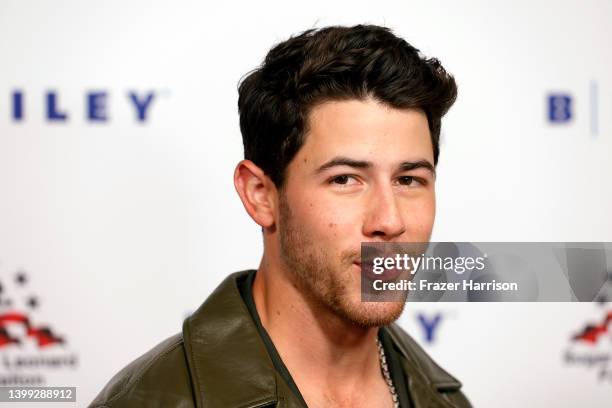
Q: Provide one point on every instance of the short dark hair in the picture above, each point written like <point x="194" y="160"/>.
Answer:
<point x="334" y="63"/>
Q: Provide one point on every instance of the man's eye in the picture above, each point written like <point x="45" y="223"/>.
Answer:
<point x="343" y="179"/>
<point x="406" y="180"/>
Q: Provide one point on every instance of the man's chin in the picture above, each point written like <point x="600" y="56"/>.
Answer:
<point x="372" y="314"/>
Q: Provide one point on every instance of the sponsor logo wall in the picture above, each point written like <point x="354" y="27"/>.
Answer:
<point x="119" y="134"/>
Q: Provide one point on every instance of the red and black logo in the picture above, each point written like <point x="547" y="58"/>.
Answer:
<point x="15" y="323"/>
<point x="592" y="333"/>
<point x="591" y="347"/>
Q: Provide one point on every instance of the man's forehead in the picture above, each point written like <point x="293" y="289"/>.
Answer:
<point x="373" y="151"/>
<point x="363" y="124"/>
<point x="367" y="132"/>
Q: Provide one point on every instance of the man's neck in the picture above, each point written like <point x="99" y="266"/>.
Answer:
<point x="323" y="352"/>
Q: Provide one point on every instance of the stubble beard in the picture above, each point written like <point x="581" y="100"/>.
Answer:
<point x="327" y="279"/>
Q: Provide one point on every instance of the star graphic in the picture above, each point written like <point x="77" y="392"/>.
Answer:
<point x="33" y="302"/>
<point x="21" y="278"/>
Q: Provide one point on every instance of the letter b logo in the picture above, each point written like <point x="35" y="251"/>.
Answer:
<point x="559" y="108"/>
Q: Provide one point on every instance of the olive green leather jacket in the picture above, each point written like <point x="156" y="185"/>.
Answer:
<point x="220" y="361"/>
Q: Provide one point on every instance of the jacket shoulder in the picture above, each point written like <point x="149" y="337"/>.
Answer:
<point x="158" y="378"/>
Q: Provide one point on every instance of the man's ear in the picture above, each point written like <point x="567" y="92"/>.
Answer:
<point x="257" y="192"/>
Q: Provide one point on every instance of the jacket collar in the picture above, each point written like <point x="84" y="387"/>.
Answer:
<point x="227" y="359"/>
<point x="428" y="383"/>
<point x="225" y="353"/>
<point x="415" y="358"/>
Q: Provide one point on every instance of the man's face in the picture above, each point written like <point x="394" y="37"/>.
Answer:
<point x="364" y="174"/>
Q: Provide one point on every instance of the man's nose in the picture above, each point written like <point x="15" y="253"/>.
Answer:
<point x="384" y="218"/>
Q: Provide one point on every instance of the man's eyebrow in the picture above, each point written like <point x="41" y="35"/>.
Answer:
<point x="364" y="164"/>
<point x="420" y="164"/>
<point x="344" y="161"/>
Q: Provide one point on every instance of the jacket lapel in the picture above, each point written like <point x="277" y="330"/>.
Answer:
<point x="426" y="380"/>
<point x="227" y="359"/>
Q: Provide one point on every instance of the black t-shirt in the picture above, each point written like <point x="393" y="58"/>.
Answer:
<point x="397" y="374"/>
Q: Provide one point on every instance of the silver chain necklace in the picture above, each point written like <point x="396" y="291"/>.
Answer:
<point x="386" y="375"/>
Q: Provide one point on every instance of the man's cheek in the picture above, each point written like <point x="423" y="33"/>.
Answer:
<point x="420" y="216"/>
<point x="334" y="225"/>
<point x="316" y="218"/>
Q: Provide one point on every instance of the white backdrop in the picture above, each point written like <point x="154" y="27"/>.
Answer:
<point x="119" y="229"/>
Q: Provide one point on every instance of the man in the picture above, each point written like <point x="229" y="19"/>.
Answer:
<point x="340" y="128"/>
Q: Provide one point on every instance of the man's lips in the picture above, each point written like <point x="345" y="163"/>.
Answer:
<point x="387" y="275"/>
